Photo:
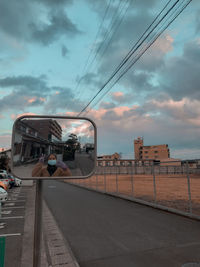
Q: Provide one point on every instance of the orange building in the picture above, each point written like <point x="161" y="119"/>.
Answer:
<point x="114" y="156"/>
<point x="155" y="152"/>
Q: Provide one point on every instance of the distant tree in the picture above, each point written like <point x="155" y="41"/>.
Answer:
<point x="4" y="163"/>
<point x="73" y="141"/>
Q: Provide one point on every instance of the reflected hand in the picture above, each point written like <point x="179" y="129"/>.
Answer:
<point x="61" y="164"/>
<point x="41" y="159"/>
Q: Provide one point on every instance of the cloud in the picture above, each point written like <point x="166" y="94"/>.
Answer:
<point x="159" y="122"/>
<point x="52" y="21"/>
<point x="52" y="3"/>
<point x="15" y="116"/>
<point x="180" y="76"/>
<point x="62" y="101"/>
<point x="64" y="50"/>
<point x="23" y="92"/>
<point x="122" y="98"/>
<point x="107" y="105"/>
<point x="28" y="85"/>
<point x="5" y="140"/>
<point x="58" y="25"/>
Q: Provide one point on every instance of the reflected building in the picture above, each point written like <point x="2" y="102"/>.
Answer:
<point x="35" y="137"/>
<point x="48" y="129"/>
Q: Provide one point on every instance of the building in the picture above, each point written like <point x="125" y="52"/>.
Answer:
<point x="47" y="128"/>
<point x="35" y="137"/>
<point x="114" y="156"/>
<point x="155" y="152"/>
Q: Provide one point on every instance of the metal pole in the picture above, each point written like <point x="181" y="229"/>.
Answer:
<point x="96" y="181"/>
<point x="104" y="178"/>
<point x="154" y="182"/>
<point x="117" y="181"/>
<point x="38" y="224"/>
<point x="189" y="191"/>
<point x="0" y="209"/>
<point x="132" y="184"/>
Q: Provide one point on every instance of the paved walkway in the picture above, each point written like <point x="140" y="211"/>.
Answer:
<point x="17" y="233"/>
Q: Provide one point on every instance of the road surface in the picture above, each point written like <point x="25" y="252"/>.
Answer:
<point x="105" y="231"/>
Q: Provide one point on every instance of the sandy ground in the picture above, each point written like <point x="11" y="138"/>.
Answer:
<point x="170" y="190"/>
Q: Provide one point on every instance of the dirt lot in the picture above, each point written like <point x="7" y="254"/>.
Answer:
<point x="170" y="190"/>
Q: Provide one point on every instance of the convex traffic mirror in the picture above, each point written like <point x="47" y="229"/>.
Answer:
<point x="53" y="147"/>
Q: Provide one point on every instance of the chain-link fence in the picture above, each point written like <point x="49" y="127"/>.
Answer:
<point x="175" y="185"/>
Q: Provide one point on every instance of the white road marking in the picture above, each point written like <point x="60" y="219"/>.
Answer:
<point x="20" y="207"/>
<point x="14" y="217"/>
<point x="16" y="201"/>
<point x="6" y="235"/>
<point x="9" y="204"/>
<point x="6" y="212"/>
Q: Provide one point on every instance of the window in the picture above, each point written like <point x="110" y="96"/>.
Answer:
<point x="155" y="151"/>
<point x="146" y="157"/>
<point x="145" y="152"/>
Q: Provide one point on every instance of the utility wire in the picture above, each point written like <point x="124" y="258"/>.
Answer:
<point x="147" y="47"/>
<point x="114" y="25"/>
<point x="127" y="58"/>
<point x="95" y="40"/>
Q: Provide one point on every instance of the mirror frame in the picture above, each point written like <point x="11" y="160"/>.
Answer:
<point x="54" y="117"/>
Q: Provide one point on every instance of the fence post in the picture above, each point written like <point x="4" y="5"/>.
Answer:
<point x="132" y="185"/>
<point x="117" y="181"/>
<point x="189" y="191"/>
<point x="96" y="181"/>
<point x="154" y="182"/>
<point x="104" y="178"/>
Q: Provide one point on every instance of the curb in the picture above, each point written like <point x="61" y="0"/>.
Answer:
<point x="58" y="251"/>
<point x="55" y="250"/>
<point x="28" y="236"/>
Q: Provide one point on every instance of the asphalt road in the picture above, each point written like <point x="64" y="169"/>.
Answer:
<point x="105" y="231"/>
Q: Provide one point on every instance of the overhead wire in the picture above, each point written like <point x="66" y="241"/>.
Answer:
<point x="135" y="49"/>
<point x="94" y="42"/>
<point x="113" y="26"/>
<point x="139" y="56"/>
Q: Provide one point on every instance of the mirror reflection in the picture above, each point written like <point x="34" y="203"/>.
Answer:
<point x="53" y="147"/>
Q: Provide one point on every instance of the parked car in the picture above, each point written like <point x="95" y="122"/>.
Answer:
<point x="11" y="179"/>
<point x="4" y="184"/>
<point x="3" y="173"/>
<point x="3" y="195"/>
<point x="7" y="180"/>
<point x="18" y="182"/>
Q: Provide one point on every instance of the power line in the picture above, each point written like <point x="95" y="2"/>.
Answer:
<point x="127" y="58"/>
<point x="138" y="46"/>
<point x="114" y="24"/>
<point x="96" y="37"/>
<point x="147" y="47"/>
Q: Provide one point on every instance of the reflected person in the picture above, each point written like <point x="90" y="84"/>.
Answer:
<point x="54" y="168"/>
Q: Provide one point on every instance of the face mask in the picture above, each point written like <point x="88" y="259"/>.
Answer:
<point x="52" y="162"/>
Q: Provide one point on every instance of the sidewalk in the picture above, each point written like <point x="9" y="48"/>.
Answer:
<point x="19" y="233"/>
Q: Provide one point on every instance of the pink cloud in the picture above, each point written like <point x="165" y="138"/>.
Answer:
<point x="31" y="100"/>
<point x="42" y="99"/>
<point x="15" y="116"/>
<point x="165" y="44"/>
<point x="118" y="94"/>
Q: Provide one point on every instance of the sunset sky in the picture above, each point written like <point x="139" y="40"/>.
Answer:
<point x="54" y="57"/>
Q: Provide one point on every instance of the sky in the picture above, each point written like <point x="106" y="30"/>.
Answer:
<point x="56" y="55"/>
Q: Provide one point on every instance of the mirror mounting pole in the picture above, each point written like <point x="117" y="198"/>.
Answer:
<point x="38" y="224"/>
